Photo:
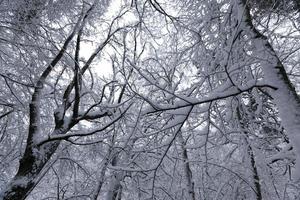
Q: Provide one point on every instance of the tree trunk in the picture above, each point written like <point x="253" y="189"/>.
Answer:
<point x="256" y="179"/>
<point x="285" y="96"/>
<point x="187" y="170"/>
<point x="28" y="173"/>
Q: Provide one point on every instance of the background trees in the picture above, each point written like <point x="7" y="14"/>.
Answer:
<point x="201" y="101"/>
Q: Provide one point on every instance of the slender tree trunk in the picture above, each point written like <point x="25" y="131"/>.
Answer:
<point x="115" y="187"/>
<point x="100" y="179"/>
<point x="256" y="179"/>
<point x="187" y="170"/>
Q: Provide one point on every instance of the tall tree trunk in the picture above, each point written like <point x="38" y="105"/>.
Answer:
<point x="101" y="179"/>
<point x="285" y="97"/>
<point x="256" y="179"/>
<point x="115" y="187"/>
<point x="187" y="170"/>
<point x="37" y="155"/>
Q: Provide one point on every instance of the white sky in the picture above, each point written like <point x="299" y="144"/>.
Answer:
<point x="104" y="67"/>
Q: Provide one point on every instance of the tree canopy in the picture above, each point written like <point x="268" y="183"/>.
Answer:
<point x="149" y="99"/>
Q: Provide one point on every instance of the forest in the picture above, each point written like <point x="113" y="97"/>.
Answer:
<point x="150" y="99"/>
